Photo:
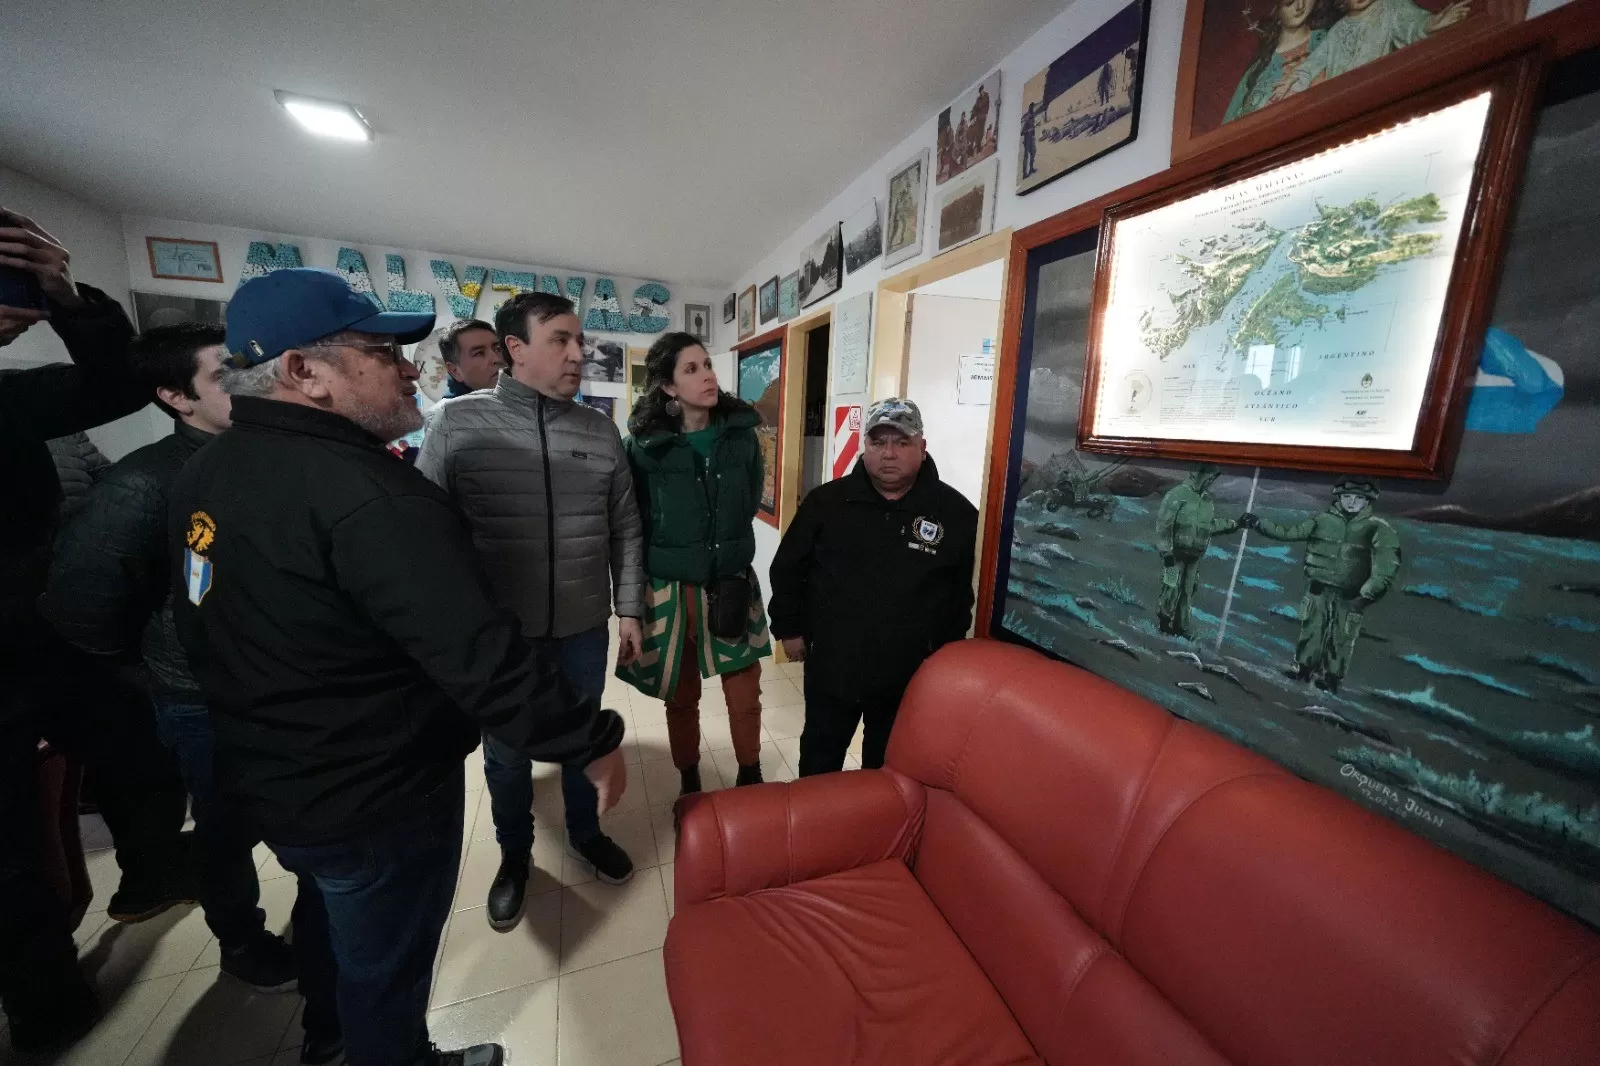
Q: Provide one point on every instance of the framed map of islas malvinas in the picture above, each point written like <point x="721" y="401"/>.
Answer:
<point x="1319" y="307"/>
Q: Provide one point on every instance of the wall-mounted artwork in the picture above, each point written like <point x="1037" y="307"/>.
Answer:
<point x="1247" y="64"/>
<point x="747" y="313"/>
<point x="697" y="321"/>
<point x="820" y="271"/>
<point x="863" y="237"/>
<point x="789" y="295"/>
<point x="760" y="383"/>
<point x="183" y="260"/>
<point x="767" y="300"/>
<point x="907" y="192"/>
<point x="965" y="209"/>
<point x="1431" y="650"/>
<point x="969" y="130"/>
<point x="606" y="405"/>
<point x="152" y="309"/>
<point x="636" y="358"/>
<point x="730" y="306"/>
<point x="603" y="360"/>
<point x="1086" y="102"/>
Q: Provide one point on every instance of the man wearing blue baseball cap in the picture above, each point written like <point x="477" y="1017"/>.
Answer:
<point x="314" y="568"/>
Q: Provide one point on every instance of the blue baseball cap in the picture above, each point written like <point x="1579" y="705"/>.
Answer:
<point x="291" y="308"/>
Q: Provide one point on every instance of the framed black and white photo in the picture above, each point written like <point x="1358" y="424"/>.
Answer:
<point x="820" y="273"/>
<point x="863" y="237"/>
<point x="907" y="192"/>
<point x="730" y="305"/>
<point x="152" y="309"/>
<point x="965" y="210"/>
<point x="697" y="320"/>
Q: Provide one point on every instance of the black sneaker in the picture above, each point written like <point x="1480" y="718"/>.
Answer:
<point x="748" y="775"/>
<point x="505" y="895"/>
<point x="138" y="899"/>
<point x="265" y="963"/>
<point x="689" y="780"/>
<point x="611" y="864"/>
<point x="316" y="1051"/>
<point x="476" y="1055"/>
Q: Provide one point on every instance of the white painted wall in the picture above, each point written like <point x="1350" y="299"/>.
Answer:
<point x="944" y="328"/>
<point x="94" y="237"/>
<point x="1145" y="156"/>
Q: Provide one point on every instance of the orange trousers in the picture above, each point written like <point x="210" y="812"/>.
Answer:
<point x="741" y="690"/>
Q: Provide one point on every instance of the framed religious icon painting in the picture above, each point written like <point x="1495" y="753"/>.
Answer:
<point x="1247" y="65"/>
<point x="1319" y="307"/>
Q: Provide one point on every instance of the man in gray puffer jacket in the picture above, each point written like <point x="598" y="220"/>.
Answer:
<point x="548" y="493"/>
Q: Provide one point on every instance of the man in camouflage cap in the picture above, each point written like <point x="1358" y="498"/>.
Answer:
<point x="873" y="576"/>
<point x="1352" y="557"/>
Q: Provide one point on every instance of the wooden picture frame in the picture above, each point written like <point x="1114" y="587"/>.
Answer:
<point x="730" y="307"/>
<point x="201" y="260"/>
<point x="767" y="300"/>
<point x="747" y="313"/>
<point x="1197" y="126"/>
<point x="771" y="430"/>
<point x="1512" y="89"/>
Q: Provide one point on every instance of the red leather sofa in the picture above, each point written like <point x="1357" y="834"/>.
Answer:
<point x="1054" y="870"/>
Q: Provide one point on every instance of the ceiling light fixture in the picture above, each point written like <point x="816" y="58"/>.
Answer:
<point x="326" y="118"/>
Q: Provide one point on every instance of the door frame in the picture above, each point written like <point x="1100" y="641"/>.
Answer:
<point x="794" y="398"/>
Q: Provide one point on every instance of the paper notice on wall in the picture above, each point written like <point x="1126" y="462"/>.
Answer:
<point x="974" y="379"/>
<point x="852" y="344"/>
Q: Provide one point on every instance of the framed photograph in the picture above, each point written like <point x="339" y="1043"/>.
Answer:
<point x="1435" y="704"/>
<point x="603" y="360"/>
<point x="789" y="296"/>
<point x="1086" y="102"/>
<point x="863" y="237"/>
<point x="767" y="300"/>
<point x="1247" y="64"/>
<point x="636" y="358"/>
<point x="969" y="129"/>
<point x="183" y="260"/>
<point x="729" y="308"/>
<point x="747" y="313"/>
<point x="605" y="404"/>
<point x="821" y="271"/>
<point x="965" y="209"/>
<point x="697" y="320"/>
<point x="1319" y="306"/>
<point x="907" y="192"/>
<point x="760" y="373"/>
<point x="151" y="309"/>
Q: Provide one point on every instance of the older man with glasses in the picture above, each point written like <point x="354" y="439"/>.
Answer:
<point x="313" y="570"/>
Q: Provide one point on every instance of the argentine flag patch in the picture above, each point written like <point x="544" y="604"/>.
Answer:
<point x="197" y="572"/>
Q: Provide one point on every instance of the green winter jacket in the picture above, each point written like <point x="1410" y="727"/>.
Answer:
<point x="1188" y="518"/>
<point x="698" y="529"/>
<point x="1358" y="554"/>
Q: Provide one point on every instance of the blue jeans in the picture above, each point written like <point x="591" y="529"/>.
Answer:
<point x="509" y="773"/>
<point x="367" y="925"/>
<point x="229" y="891"/>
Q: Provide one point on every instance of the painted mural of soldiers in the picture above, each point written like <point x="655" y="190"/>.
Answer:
<point x="1351" y="560"/>
<point x="1184" y="528"/>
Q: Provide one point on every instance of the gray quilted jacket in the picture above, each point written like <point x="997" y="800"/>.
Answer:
<point x="531" y="473"/>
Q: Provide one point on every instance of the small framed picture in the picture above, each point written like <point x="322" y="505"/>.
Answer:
<point x="697" y="320"/>
<point x="747" y="313"/>
<point x="966" y="207"/>
<point x="768" y="300"/>
<point x="729" y="307"/>
<point x="907" y="189"/>
<point x="183" y="260"/>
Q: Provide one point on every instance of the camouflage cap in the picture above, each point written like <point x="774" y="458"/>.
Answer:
<point x="1361" y="486"/>
<point x="900" y="414"/>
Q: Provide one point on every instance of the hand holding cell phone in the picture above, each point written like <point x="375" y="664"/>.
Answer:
<point x="31" y="260"/>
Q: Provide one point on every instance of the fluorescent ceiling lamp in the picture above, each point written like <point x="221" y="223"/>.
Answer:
<point x="326" y="118"/>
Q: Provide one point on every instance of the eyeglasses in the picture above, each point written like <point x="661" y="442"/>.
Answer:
<point x="389" y="351"/>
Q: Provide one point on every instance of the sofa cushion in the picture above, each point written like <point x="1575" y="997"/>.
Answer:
<point x="856" y="967"/>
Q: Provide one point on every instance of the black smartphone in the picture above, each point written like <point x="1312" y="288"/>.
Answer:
<point x="19" y="288"/>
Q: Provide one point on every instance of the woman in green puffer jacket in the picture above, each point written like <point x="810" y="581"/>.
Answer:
<point x="697" y="471"/>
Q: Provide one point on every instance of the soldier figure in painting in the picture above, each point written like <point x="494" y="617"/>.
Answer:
<point x="1184" y="528"/>
<point x="1030" y="137"/>
<point x="1351" y="560"/>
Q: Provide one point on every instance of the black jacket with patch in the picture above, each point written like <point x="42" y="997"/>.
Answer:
<point x="874" y="585"/>
<point x="336" y="616"/>
<point x="111" y="581"/>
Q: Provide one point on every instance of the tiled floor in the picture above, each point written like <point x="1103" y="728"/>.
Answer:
<point x="578" y="983"/>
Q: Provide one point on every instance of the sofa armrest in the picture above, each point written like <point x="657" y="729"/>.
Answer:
<point x="740" y="840"/>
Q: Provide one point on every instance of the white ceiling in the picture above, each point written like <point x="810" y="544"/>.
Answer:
<point x="676" y="140"/>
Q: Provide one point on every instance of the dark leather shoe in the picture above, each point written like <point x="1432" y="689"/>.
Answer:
<point x="505" y="895"/>
<point x="748" y="775"/>
<point x="691" y="780"/>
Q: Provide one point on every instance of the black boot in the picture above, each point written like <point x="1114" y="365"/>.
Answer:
<point x="690" y="777"/>
<point x="505" y="895"/>
<point x="748" y="775"/>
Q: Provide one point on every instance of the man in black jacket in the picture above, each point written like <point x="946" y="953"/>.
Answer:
<point x="47" y="691"/>
<point x="314" y="572"/>
<point x="109" y="594"/>
<point x="873" y="576"/>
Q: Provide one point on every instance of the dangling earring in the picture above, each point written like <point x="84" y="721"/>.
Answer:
<point x="672" y="407"/>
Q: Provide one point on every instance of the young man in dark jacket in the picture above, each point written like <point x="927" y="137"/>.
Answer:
<point x="873" y="576"/>
<point x="47" y="690"/>
<point x="110" y="595"/>
<point x="314" y="571"/>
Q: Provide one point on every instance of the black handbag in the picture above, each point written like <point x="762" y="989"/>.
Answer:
<point x="728" y="606"/>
